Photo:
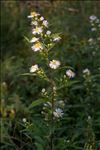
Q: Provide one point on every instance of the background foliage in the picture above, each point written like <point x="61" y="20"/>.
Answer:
<point x="80" y="126"/>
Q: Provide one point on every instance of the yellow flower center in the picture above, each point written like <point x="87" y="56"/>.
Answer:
<point x="37" y="29"/>
<point x="37" y="45"/>
<point x="54" y="62"/>
<point x="33" y="14"/>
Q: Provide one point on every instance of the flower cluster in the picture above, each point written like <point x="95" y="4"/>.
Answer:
<point x="95" y="23"/>
<point x="42" y="41"/>
<point x="57" y="109"/>
<point x="42" y="38"/>
<point x="38" y="25"/>
<point x="41" y="33"/>
<point x="94" y="40"/>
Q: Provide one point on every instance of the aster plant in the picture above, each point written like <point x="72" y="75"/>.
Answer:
<point x="42" y="43"/>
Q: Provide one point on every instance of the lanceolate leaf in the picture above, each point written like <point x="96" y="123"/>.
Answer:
<point x="26" y="39"/>
<point x="38" y="102"/>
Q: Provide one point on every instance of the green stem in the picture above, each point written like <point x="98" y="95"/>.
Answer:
<point x="52" y="120"/>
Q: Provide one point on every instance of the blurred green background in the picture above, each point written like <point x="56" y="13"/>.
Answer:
<point x="71" y="18"/>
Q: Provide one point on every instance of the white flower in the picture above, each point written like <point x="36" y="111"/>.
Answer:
<point x="93" y="17"/>
<point x="97" y="20"/>
<point x="45" y="23"/>
<point x="93" y="53"/>
<point x="34" y="39"/>
<point x="61" y="103"/>
<point x="37" y="30"/>
<point x="48" y="32"/>
<point x="93" y="29"/>
<point x="34" y="68"/>
<point x="37" y="47"/>
<point x="90" y="40"/>
<point x="89" y="117"/>
<point x="70" y="73"/>
<point x="34" y="23"/>
<point x="4" y="84"/>
<point x="58" y="113"/>
<point x="54" y="64"/>
<point x="41" y="18"/>
<point x="92" y="24"/>
<point x="24" y="120"/>
<point x="43" y="90"/>
<point x="54" y="88"/>
<point x="56" y="38"/>
<point x="47" y="104"/>
<point x="86" y="71"/>
<point x="33" y="14"/>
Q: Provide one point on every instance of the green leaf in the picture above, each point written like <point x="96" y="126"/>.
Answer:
<point x="27" y="39"/>
<point x="70" y="83"/>
<point x="28" y="74"/>
<point x="77" y="87"/>
<point x="39" y="146"/>
<point x="37" y="102"/>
